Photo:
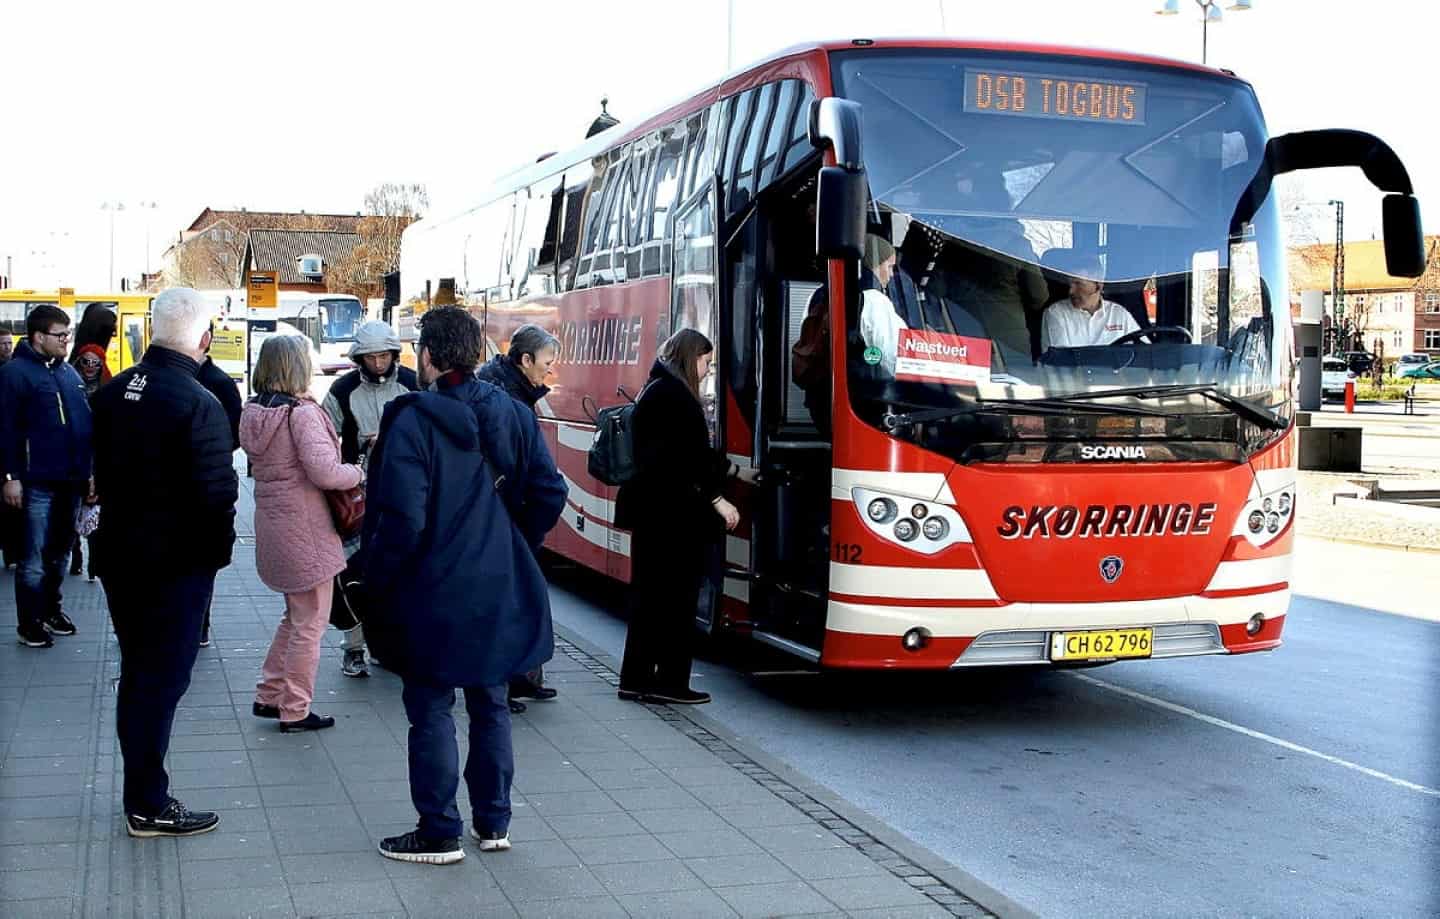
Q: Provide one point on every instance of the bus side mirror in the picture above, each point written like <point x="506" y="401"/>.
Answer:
<point x="840" y="213"/>
<point x="1404" y="238"/>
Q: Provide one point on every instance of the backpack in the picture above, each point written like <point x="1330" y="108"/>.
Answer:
<point x="611" y="458"/>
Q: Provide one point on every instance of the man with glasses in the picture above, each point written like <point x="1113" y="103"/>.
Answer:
<point x="45" y="461"/>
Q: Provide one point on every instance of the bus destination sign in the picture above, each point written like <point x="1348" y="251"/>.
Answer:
<point x="1035" y="95"/>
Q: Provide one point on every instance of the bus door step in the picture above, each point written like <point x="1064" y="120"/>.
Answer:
<point x="787" y="645"/>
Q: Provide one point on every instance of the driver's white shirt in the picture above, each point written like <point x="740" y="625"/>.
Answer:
<point x="1065" y="325"/>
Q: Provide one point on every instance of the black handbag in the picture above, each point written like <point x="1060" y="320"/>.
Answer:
<point x="348" y="599"/>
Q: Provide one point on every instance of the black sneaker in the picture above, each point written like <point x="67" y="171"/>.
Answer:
<point x="57" y="623"/>
<point x="35" y="636"/>
<point x="311" y="722"/>
<point x="491" y="842"/>
<point x="678" y="696"/>
<point x="174" y="820"/>
<point x="528" y="690"/>
<point x="353" y="664"/>
<point x="205" y="636"/>
<point x="265" y="711"/>
<point x="412" y="847"/>
<point x="517" y="707"/>
<point x="630" y="695"/>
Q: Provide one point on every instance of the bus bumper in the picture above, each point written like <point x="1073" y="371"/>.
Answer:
<point x="872" y="636"/>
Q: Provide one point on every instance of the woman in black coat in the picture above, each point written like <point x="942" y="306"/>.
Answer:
<point x="675" y="512"/>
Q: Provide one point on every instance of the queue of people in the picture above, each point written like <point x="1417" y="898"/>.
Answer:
<point x="461" y="492"/>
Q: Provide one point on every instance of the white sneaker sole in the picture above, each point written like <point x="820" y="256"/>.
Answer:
<point x="490" y="845"/>
<point x="151" y="834"/>
<point x="448" y="857"/>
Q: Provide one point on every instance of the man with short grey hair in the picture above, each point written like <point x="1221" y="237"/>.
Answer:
<point x="521" y="372"/>
<point x="164" y="476"/>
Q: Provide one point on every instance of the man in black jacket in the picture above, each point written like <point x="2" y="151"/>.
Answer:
<point x="164" y="476"/>
<point x="521" y="372"/>
<point x="45" y="461"/>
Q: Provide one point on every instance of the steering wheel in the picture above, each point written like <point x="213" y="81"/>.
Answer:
<point x="1154" y="334"/>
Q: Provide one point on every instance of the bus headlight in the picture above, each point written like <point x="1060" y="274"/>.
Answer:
<point x="882" y="510"/>
<point x="1257" y="521"/>
<point x="1285" y="501"/>
<point x="935" y="528"/>
<point x="1264" y="517"/>
<point x="901" y="520"/>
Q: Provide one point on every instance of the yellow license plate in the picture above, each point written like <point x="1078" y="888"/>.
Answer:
<point x="1104" y="645"/>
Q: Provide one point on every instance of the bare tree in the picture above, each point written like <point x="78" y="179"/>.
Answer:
<point x="389" y="209"/>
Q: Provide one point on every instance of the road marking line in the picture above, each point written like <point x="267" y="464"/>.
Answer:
<point x="1229" y="726"/>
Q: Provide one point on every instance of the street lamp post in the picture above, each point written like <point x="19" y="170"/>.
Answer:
<point x="1210" y="12"/>
<point x="1337" y="281"/>
<point x="112" y="207"/>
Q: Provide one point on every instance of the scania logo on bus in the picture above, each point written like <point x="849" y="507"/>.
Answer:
<point x="1111" y="451"/>
<point x="1110" y="568"/>
<point x="1106" y="520"/>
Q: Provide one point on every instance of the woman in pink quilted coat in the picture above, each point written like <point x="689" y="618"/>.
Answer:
<point x="296" y="457"/>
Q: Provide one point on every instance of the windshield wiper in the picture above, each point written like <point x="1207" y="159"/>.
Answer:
<point x="1252" y="413"/>
<point x="892" y="421"/>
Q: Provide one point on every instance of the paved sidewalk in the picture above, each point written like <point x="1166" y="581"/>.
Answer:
<point x="620" y="809"/>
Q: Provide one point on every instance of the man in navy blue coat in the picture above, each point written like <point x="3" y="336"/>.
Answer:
<point x="462" y="492"/>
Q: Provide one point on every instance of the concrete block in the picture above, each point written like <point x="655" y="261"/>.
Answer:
<point x="1330" y="449"/>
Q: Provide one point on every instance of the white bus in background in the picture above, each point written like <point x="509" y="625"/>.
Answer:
<point x="328" y="320"/>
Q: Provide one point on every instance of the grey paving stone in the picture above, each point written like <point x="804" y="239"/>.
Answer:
<point x="314" y="793"/>
<point x="733" y="795"/>
<point x="216" y="777"/>
<point x="680" y="820"/>
<point x="570" y="803"/>
<point x="321" y="840"/>
<point x="573" y="908"/>
<point x="756" y="816"/>
<point x="653" y="798"/>
<point x="549" y="853"/>
<point x="647" y="877"/>
<point x="646" y="777"/>
<point x="43" y="830"/>
<point x="347" y="898"/>
<point x="870" y="892"/>
<point x="732" y="870"/>
<point x="692" y="755"/>
<point x="552" y="780"/>
<point x="903" y="912"/>
<point x="49" y="908"/>
<point x="763" y="900"/>
<point x="609" y="850"/>
<point x="327" y="868"/>
<point x="817" y="864"/>
<point x="548" y="884"/>
<point x="33" y="855"/>
<point x="229" y="842"/>
<point x="798" y="838"/>
<point x="524" y="829"/>
<point x="45" y="765"/>
<point x="225" y="873"/>
<point x="704" y="843"/>
<point x="580" y="826"/>
<point x="37" y="786"/>
<point x="39" y="884"/>
<point x="692" y="904"/>
<point x="316" y="815"/>
<point x="32" y="808"/>
<point x="239" y="903"/>
<point x="243" y="820"/>
<point x="697" y="776"/>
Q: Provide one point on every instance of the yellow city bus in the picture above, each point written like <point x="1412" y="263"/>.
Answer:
<point x="132" y="314"/>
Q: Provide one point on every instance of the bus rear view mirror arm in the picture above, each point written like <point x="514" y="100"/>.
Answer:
<point x="835" y="125"/>
<point x="843" y="189"/>
<point x="1404" y="237"/>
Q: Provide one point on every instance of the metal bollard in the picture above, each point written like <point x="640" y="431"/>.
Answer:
<point x="1350" y="396"/>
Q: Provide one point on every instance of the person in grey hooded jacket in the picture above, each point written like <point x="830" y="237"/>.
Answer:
<point x="355" y="404"/>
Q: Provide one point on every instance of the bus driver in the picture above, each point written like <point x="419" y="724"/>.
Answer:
<point x="1085" y="318"/>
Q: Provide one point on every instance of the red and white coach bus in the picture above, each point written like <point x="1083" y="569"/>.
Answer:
<point x="975" y="480"/>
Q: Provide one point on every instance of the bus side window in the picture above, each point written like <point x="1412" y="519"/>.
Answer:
<point x="749" y="166"/>
<point x="734" y="143"/>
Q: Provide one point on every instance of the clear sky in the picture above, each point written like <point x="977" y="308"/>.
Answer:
<point x="306" y="104"/>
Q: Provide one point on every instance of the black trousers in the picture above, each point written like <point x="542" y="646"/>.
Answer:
<point x="666" y="571"/>
<point x="157" y="621"/>
<point x="435" y="758"/>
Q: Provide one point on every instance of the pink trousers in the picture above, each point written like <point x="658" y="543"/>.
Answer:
<point x="287" y="679"/>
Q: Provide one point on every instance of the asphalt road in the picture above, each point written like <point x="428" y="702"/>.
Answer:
<point x="1304" y="782"/>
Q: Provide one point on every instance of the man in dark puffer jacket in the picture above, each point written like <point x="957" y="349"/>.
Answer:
<point x="167" y="486"/>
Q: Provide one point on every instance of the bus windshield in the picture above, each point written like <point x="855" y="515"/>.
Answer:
<point x="1046" y="228"/>
<point x="340" y="317"/>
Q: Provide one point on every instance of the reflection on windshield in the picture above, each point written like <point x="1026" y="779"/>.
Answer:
<point x="1027" y="252"/>
<point x="341" y="317"/>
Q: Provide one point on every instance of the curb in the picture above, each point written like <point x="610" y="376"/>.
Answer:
<point x="905" y="859"/>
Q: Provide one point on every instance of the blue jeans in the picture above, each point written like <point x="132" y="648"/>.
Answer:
<point x="49" y="532"/>
<point x="435" y="758"/>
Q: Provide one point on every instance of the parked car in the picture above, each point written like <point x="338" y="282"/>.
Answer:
<point x="1360" y="361"/>
<point x="1430" y="371"/>
<point x="1334" y="371"/>
<point x="1407" y="361"/>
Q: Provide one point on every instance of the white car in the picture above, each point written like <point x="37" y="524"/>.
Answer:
<point x="1333" y="374"/>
